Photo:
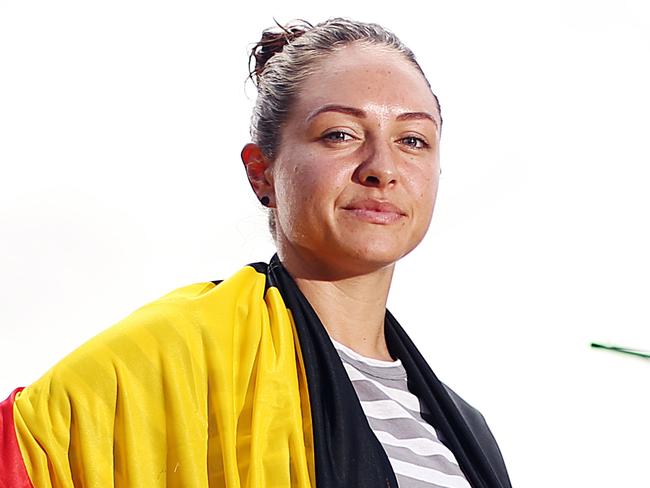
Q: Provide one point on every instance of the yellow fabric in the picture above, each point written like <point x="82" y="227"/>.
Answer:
<point x="202" y="387"/>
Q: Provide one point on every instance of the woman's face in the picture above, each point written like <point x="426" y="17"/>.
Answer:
<point x="356" y="173"/>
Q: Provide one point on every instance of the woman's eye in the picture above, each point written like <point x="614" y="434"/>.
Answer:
<point x="337" y="136"/>
<point x="414" y="142"/>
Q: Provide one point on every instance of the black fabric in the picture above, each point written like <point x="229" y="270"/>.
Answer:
<point x="347" y="452"/>
<point x="462" y="428"/>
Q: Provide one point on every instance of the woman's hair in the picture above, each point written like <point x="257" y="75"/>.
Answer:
<point x="285" y="57"/>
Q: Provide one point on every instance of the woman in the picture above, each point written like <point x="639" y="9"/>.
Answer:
<point x="290" y="373"/>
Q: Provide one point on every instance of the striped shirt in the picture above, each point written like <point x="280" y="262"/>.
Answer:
<point x="419" y="459"/>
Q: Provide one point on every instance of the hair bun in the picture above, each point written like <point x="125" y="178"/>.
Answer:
<point x="273" y="42"/>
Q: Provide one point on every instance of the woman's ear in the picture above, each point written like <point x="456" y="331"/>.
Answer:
<point x="257" y="167"/>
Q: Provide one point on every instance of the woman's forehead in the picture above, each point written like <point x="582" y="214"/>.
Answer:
<point x="375" y="80"/>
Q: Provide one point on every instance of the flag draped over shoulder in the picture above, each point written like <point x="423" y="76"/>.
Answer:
<point x="221" y="384"/>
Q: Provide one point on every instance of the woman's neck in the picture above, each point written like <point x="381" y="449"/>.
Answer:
<point x="351" y="308"/>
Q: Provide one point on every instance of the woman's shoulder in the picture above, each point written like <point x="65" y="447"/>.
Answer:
<point x="189" y="308"/>
<point x="473" y="417"/>
<point x="174" y="331"/>
<point x="480" y="429"/>
<point x="469" y="412"/>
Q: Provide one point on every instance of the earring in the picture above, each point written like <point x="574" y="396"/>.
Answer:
<point x="265" y="201"/>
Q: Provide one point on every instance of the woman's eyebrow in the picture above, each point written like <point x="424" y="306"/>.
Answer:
<point x="357" y="112"/>
<point x="417" y="116"/>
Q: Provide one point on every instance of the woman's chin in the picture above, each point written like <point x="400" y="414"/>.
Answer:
<point x="346" y="252"/>
<point x="367" y="256"/>
<point x="378" y="245"/>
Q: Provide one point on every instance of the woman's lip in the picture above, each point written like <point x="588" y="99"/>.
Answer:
<point x="375" y="211"/>
<point x="375" y="216"/>
<point x="374" y="205"/>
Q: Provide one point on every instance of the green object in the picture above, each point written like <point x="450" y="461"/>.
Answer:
<point x="624" y="350"/>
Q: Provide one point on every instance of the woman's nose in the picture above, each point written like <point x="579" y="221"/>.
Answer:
<point x="378" y="168"/>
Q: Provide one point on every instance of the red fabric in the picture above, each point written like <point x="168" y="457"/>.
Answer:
<point x="12" y="468"/>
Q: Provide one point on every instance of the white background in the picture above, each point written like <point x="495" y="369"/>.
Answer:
<point x="121" y="125"/>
